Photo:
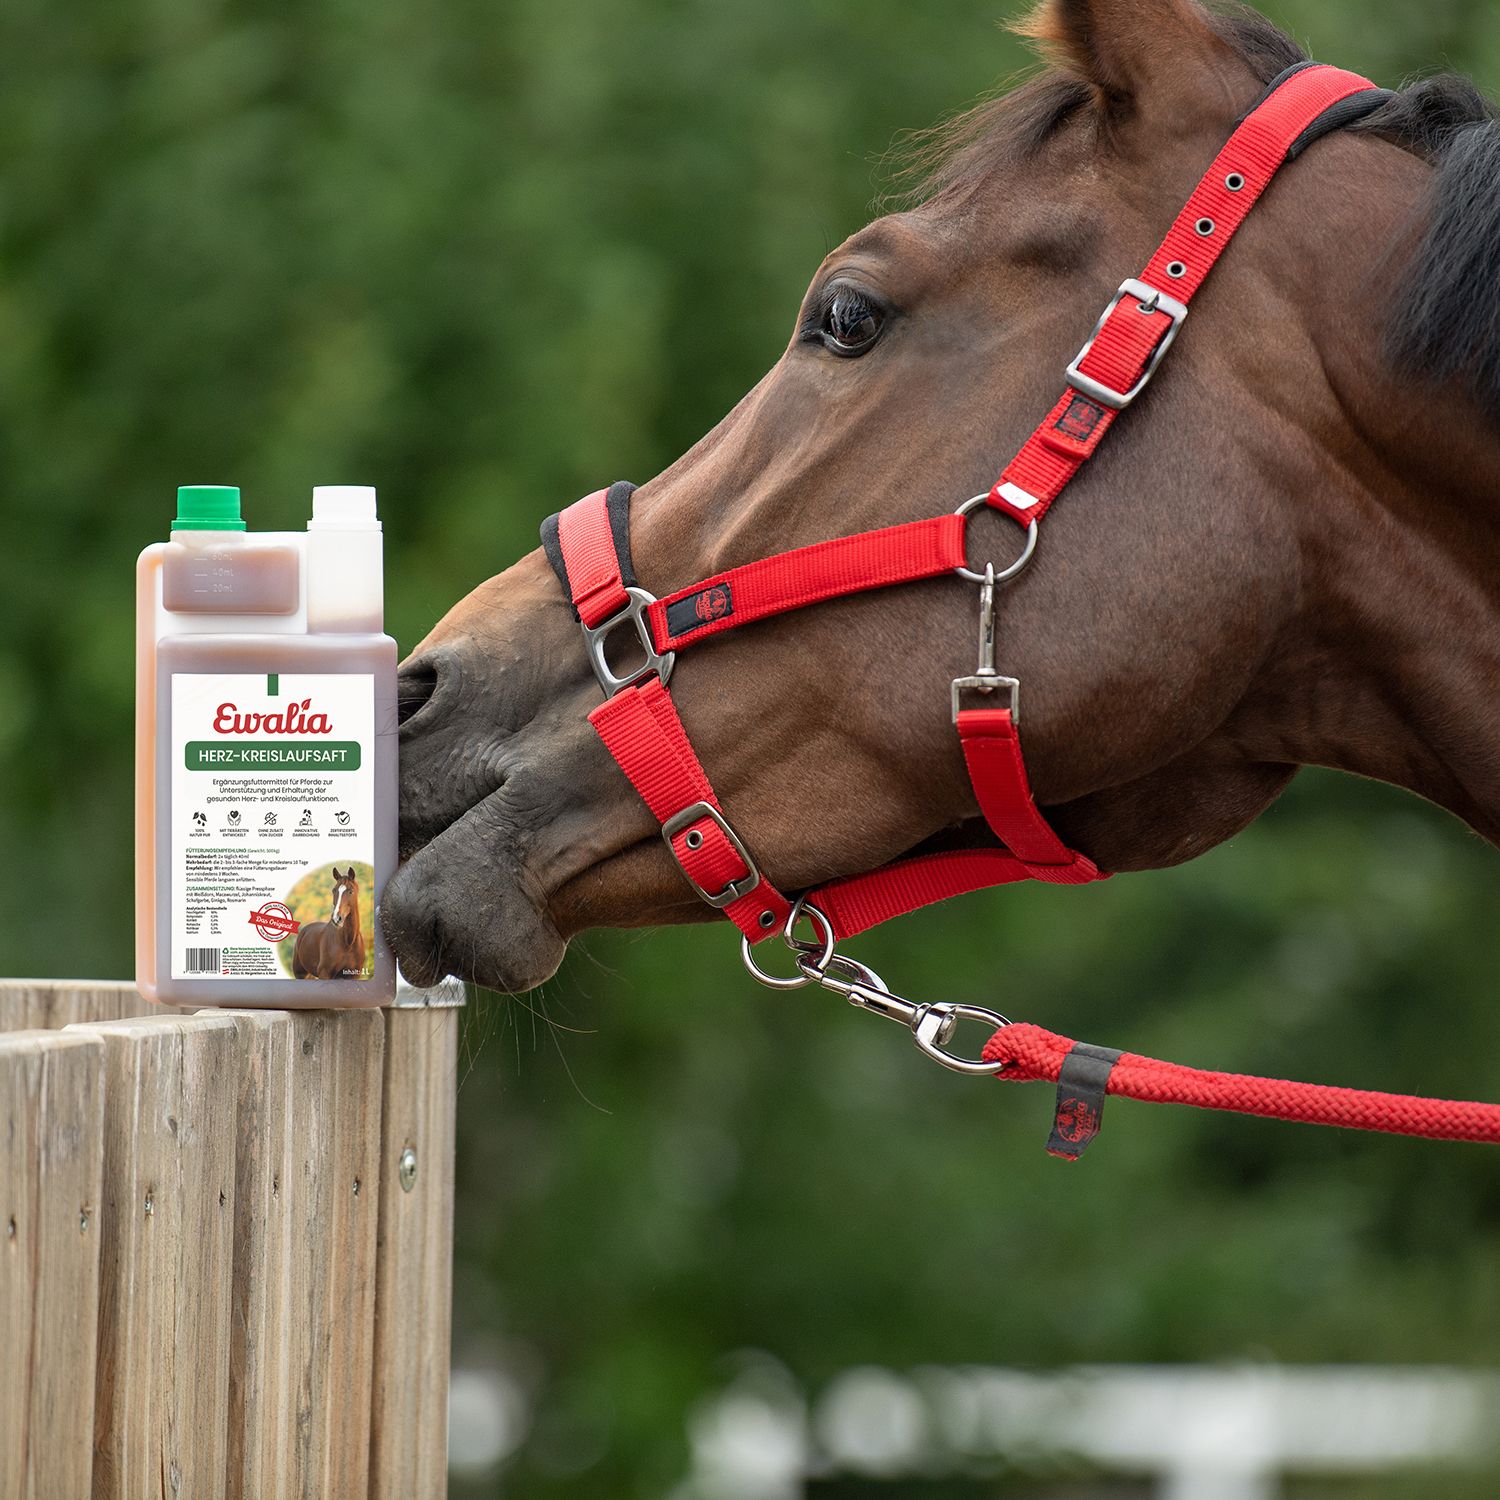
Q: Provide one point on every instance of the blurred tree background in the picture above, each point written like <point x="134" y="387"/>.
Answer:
<point x="481" y="255"/>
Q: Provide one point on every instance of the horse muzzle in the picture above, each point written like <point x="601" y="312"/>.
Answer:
<point x="506" y="795"/>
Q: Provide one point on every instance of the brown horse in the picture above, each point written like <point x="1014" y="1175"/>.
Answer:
<point x="334" y="949"/>
<point x="1288" y="552"/>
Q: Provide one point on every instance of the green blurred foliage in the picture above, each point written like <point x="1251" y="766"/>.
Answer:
<point x="482" y="256"/>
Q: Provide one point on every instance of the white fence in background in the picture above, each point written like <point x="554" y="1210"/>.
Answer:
<point x="1198" y="1432"/>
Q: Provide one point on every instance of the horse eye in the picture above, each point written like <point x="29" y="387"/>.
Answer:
<point x="851" y="323"/>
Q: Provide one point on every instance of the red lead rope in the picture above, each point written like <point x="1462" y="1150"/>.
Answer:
<point x="1085" y="1074"/>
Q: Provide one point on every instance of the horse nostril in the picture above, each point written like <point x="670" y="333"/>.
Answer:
<point x="416" y="682"/>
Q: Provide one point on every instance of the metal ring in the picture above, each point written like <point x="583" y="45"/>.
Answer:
<point x="1004" y="575"/>
<point x="822" y="948"/>
<point x="772" y="981"/>
<point x="813" y="959"/>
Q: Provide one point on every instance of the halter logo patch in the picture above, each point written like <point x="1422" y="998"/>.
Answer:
<point x="1076" y="1121"/>
<point x="1080" y="419"/>
<point x="715" y="602"/>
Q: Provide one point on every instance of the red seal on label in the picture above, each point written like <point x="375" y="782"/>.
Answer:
<point x="274" y="921"/>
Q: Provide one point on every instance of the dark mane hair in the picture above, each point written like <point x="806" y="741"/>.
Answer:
<point x="1447" y="323"/>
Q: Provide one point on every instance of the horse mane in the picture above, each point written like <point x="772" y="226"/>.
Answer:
<point x="1446" y="323"/>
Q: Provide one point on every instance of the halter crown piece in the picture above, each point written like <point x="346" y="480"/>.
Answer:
<point x="588" y="545"/>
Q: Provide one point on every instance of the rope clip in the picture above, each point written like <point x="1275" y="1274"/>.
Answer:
<point x="931" y="1026"/>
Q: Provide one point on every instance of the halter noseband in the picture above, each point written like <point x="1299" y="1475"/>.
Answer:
<point x="588" y="545"/>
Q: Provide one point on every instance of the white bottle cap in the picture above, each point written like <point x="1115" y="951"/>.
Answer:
<point x="344" y="505"/>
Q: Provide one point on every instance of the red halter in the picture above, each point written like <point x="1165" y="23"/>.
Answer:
<point x="589" y="547"/>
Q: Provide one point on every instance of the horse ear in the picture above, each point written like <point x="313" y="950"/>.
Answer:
<point x="1137" y="54"/>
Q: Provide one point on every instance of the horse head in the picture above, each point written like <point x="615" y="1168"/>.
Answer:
<point x="345" y="897"/>
<point x="1278" y="559"/>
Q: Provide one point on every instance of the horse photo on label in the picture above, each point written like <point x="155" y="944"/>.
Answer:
<point x="333" y="911"/>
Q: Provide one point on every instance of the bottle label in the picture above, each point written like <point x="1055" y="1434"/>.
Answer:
<point x="273" y="825"/>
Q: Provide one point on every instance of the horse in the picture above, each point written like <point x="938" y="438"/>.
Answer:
<point x="334" y="949"/>
<point x="1287" y="554"/>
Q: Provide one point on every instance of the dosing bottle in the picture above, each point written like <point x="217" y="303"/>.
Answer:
<point x="266" y="774"/>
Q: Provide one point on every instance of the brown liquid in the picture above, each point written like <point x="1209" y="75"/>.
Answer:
<point x="240" y="579"/>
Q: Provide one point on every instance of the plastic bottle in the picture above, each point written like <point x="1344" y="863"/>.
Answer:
<point x="265" y="757"/>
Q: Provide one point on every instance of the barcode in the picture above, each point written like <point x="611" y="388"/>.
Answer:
<point x="203" y="960"/>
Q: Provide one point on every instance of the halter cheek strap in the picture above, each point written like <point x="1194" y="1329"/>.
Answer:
<point x="1145" y="316"/>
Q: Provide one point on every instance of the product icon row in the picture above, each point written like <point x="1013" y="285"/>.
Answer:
<point x="271" y="819"/>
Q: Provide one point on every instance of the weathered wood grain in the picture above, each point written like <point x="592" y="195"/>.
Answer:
<point x="51" y="1158"/>
<point x="29" y="1004"/>
<point x="167" y="1211"/>
<point x="413" y="1307"/>
<point x="334" y="1204"/>
<point x="262" y="1392"/>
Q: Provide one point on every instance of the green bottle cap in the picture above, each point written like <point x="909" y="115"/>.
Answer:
<point x="208" y="507"/>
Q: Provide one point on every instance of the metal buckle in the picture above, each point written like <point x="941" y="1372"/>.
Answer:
<point x="736" y="888"/>
<point x="986" y="679"/>
<point x="1151" y="300"/>
<point x="657" y="663"/>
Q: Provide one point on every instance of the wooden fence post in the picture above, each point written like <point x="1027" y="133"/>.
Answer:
<point x="51" y="1004"/>
<point x="414" y="1298"/>
<point x="262" y="1395"/>
<point x="337" y="1059"/>
<point x="272" y="1279"/>
<point x="161" y="1392"/>
<point x="51" y="1160"/>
